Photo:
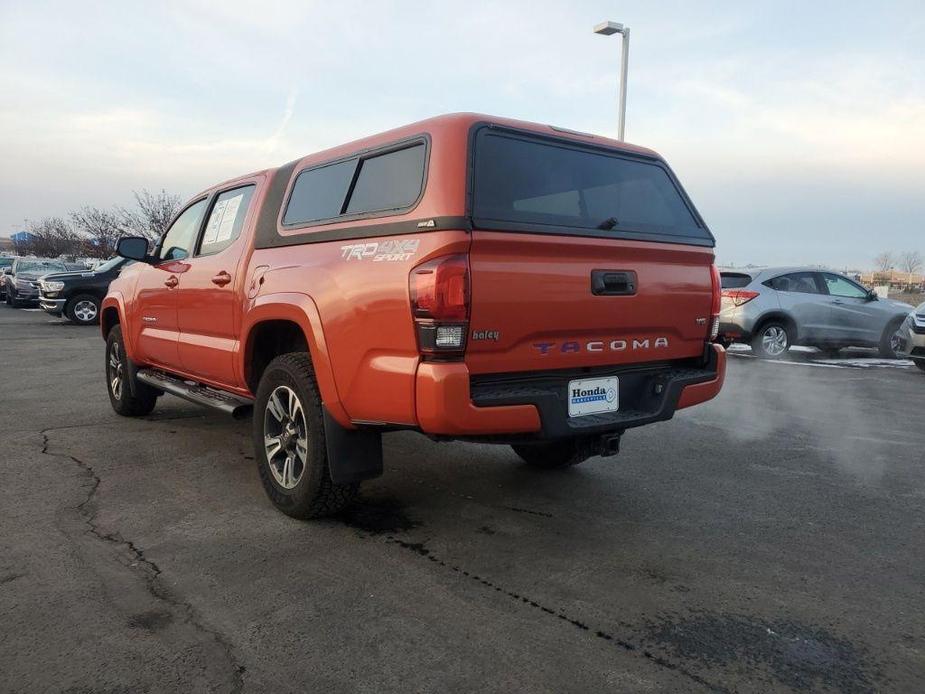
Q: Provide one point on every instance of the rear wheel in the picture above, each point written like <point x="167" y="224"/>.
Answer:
<point x="83" y="310"/>
<point x="889" y="343"/>
<point x="550" y="455"/>
<point x="289" y="441"/>
<point x="772" y="341"/>
<point x="127" y="399"/>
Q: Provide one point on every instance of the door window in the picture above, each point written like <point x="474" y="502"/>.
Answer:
<point x="180" y="237"/>
<point x="226" y="220"/>
<point x="841" y="286"/>
<point x="800" y="282"/>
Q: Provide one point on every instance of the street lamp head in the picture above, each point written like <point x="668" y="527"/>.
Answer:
<point x="608" y="28"/>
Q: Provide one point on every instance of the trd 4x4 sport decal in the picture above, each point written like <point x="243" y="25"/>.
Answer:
<point x="381" y="251"/>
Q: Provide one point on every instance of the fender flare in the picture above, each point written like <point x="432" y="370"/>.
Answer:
<point x="300" y="309"/>
<point x="116" y="301"/>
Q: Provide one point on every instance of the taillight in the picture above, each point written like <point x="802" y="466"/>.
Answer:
<point x="739" y="296"/>
<point x="717" y="301"/>
<point x="439" y="291"/>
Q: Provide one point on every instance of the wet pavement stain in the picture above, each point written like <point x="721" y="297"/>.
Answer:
<point x="799" y="656"/>
<point x="153" y="620"/>
<point x="377" y="516"/>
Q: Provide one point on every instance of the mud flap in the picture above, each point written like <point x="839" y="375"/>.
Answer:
<point x="354" y="455"/>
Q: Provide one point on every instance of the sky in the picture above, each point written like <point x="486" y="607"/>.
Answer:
<point x="798" y="128"/>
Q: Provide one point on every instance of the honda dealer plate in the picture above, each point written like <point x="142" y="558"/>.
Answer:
<point x="593" y="396"/>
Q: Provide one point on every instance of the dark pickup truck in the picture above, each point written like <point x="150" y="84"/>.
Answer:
<point x="77" y="295"/>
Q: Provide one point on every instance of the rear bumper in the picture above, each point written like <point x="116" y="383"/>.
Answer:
<point x="451" y="402"/>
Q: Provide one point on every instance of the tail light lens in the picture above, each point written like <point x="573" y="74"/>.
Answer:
<point x="439" y="291"/>
<point x="717" y="301"/>
<point x="739" y="296"/>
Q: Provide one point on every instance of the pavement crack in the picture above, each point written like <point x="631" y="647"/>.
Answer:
<point x="625" y="644"/>
<point x="151" y="571"/>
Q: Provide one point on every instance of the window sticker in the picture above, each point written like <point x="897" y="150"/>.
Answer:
<point x="229" y="214"/>
<point x="214" y="221"/>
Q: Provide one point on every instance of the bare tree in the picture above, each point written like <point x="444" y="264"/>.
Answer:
<point x="152" y="214"/>
<point x="51" y="237"/>
<point x="911" y="262"/>
<point x="884" y="262"/>
<point x="102" y="229"/>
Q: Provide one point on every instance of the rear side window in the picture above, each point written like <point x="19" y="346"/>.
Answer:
<point x="389" y="181"/>
<point x="319" y="193"/>
<point x="800" y="282"/>
<point x="536" y="183"/>
<point x="379" y="182"/>
<point x="735" y="280"/>
<point x="226" y="220"/>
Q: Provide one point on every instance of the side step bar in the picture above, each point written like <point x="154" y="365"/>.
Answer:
<point x="235" y="405"/>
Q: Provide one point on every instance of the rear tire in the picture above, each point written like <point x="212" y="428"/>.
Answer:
<point x="773" y="340"/>
<point x="887" y="345"/>
<point x="117" y="380"/>
<point x="83" y="310"/>
<point x="550" y="455"/>
<point x="289" y="441"/>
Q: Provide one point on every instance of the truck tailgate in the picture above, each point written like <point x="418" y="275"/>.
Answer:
<point x="559" y="302"/>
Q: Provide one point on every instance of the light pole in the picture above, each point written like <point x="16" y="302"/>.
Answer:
<point x="606" y="29"/>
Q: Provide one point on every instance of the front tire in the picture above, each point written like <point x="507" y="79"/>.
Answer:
<point x="117" y="380"/>
<point x="919" y="363"/>
<point x="772" y="341"/>
<point x="550" y="455"/>
<point x="83" y="310"/>
<point x="289" y="441"/>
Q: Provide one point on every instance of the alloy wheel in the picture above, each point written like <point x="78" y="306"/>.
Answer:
<point x="85" y="310"/>
<point x="115" y="371"/>
<point x="774" y="340"/>
<point x="285" y="437"/>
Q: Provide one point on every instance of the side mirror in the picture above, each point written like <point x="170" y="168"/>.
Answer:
<point x="8" y="270"/>
<point x="133" y="248"/>
<point x="872" y="295"/>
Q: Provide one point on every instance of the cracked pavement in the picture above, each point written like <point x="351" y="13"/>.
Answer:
<point x="768" y="541"/>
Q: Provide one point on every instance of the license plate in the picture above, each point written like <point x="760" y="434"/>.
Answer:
<point x="593" y="396"/>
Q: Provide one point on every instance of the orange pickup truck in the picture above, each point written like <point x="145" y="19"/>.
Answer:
<point x="467" y="277"/>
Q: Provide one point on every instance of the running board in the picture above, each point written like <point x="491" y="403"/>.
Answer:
<point x="235" y="405"/>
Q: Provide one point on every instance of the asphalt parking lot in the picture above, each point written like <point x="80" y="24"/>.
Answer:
<point x="771" y="540"/>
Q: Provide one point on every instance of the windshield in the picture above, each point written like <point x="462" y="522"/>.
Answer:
<point x="6" y="262"/>
<point x="41" y="266"/>
<point x="532" y="183"/>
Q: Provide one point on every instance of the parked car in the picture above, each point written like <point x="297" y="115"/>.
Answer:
<point x="773" y="309"/>
<point x="78" y="295"/>
<point x="22" y="283"/>
<point x="6" y="266"/>
<point x="467" y="277"/>
<point x="909" y="340"/>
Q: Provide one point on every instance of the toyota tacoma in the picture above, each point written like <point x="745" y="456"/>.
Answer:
<point x="467" y="277"/>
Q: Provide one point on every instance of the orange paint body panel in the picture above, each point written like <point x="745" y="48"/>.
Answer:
<point x="343" y="285"/>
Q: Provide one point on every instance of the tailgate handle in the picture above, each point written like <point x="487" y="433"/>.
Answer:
<point x="613" y="282"/>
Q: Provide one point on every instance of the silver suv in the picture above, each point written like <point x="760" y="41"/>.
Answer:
<point x="775" y="308"/>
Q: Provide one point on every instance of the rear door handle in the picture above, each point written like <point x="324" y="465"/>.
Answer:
<point x="613" y="282"/>
<point x="221" y="279"/>
<point x="171" y="282"/>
